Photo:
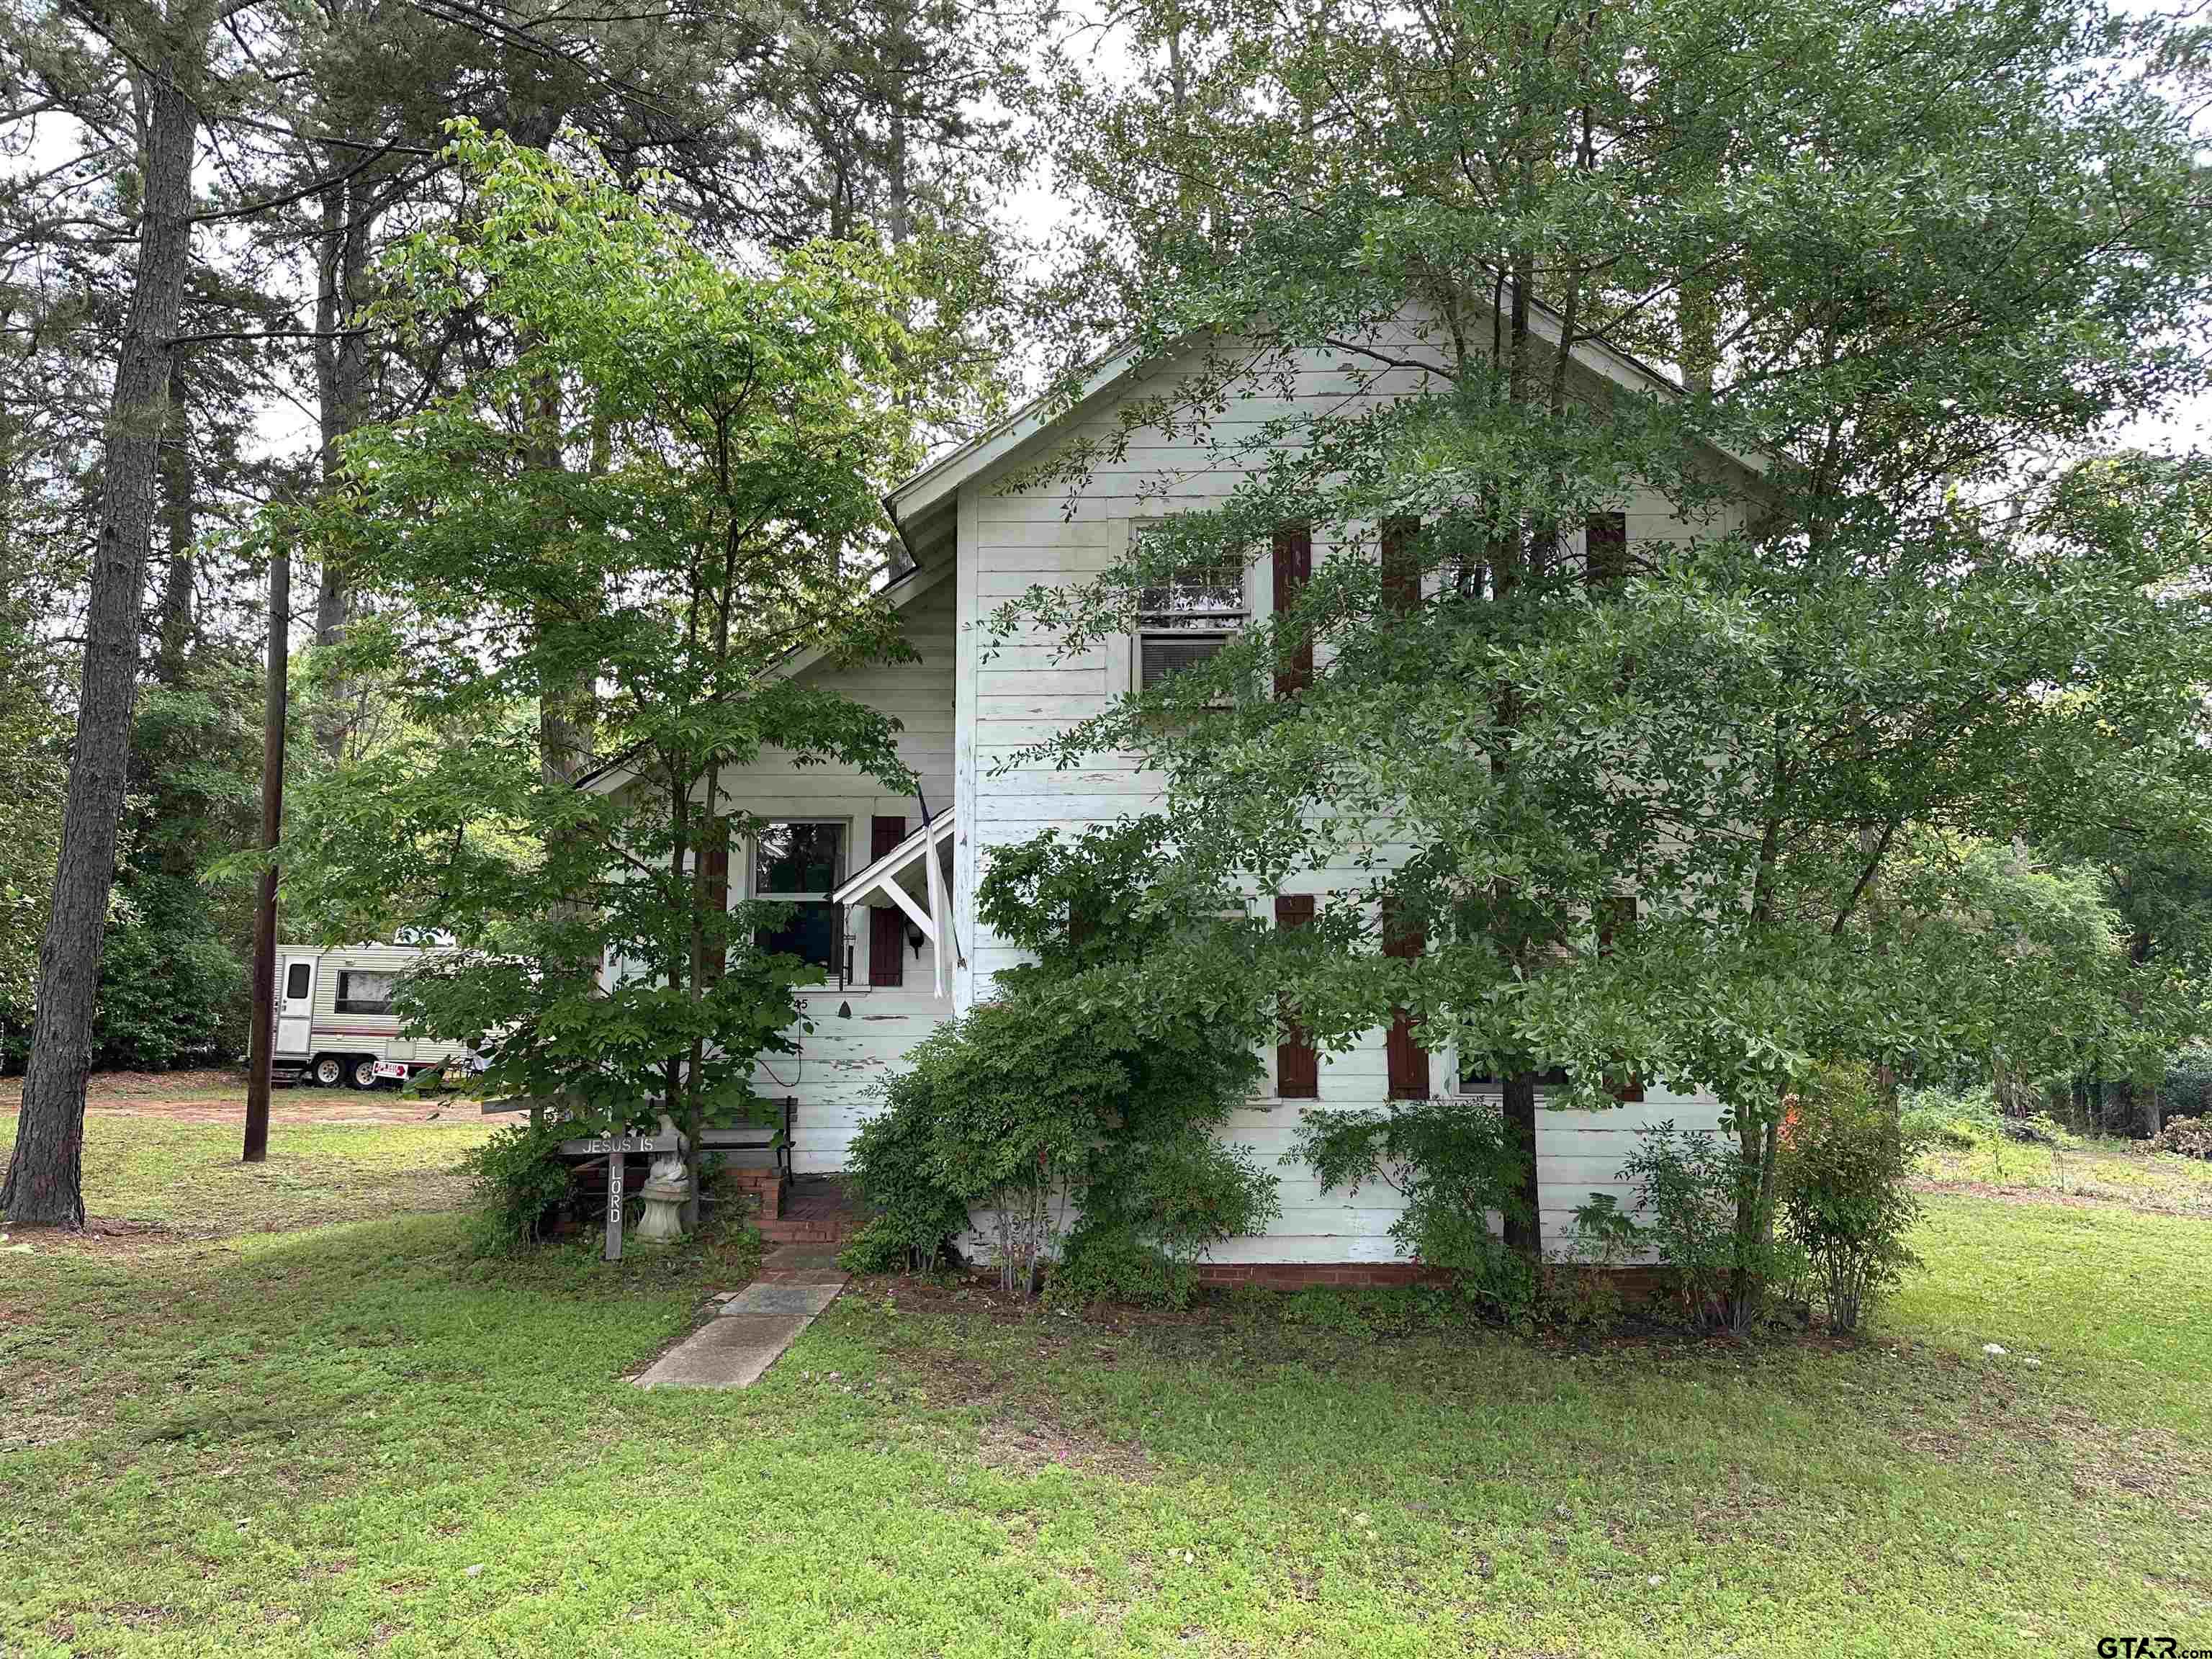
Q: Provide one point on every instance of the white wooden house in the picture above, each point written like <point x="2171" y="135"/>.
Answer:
<point x="898" y="876"/>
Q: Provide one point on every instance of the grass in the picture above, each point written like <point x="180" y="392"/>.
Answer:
<point x="155" y="1174"/>
<point x="213" y="1086"/>
<point x="2118" y="1171"/>
<point x="357" y="1438"/>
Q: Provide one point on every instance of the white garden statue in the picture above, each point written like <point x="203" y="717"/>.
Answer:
<point x="667" y="1186"/>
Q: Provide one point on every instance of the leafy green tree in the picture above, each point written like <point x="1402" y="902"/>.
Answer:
<point x="697" y="502"/>
<point x="2158" y="885"/>
<point x="33" y="751"/>
<point x="1891" y="252"/>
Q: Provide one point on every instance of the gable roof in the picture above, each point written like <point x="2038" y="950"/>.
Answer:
<point x="922" y="508"/>
<point x="901" y="591"/>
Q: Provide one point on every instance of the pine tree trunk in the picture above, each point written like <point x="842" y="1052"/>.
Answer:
<point x="45" y="1175"/>
<point x="342" y="385"/>
<point x="180" y="520"/>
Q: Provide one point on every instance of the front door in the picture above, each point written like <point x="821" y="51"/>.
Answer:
<point x="295" y="1004"/>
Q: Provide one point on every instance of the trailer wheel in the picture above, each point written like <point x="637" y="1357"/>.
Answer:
<point x="363" y="1075"/>
<point x="330" y="1070"/>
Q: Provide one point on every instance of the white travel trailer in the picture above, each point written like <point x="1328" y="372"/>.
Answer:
<point x="335" y="1022"/>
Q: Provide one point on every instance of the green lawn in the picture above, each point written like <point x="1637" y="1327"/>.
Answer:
<point x="152" y="1175"/>
<point x="2116" y="1171"/>
<point x="358" y="1439"/>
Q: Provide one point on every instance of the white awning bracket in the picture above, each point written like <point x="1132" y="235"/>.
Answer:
<point x="885" y="876"/>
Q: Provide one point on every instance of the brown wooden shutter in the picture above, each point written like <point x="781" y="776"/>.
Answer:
<point x="1297" y="1065"/>
<point x="886" y="922"/>
<point x="1401" y="566"/>
<point x="1605" y="549"/>
<point x="1293" y="569"/>
<point x="1616" y="919"/>
<point x="1408" y="1060"/>
<point x="715" y="854"/>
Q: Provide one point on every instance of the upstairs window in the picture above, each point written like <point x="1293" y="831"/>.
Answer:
<point x="799" y="864"/>
<point x="1186" y="616"/>
<point x="361" y="992"/>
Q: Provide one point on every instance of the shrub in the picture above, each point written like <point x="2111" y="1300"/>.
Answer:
<point x="519" y="1177"/>
<point x="1039" y="1101"/>
<point x="170" y="995"/>
<point x="1150" y="1209"/>
<point x="890" y="1166"/>
<point x="1456" y="1163"/>
<point x="1092" y="1083"/>
<point x="1007" y="1093"/>
<point x="881" y="1248"/>
<point x="2186" y="1089"/>
<point x="1844" y="1197"/>
<point x="1955" y="1119"/>
<point x="1112" y="1264"/>
<point x="1689" y="1186"/>
<point x="1577" y="1288"/>
<point x="2191" y="1137"/>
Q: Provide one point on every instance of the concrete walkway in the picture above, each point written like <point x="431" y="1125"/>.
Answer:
<point x="754" y="1326"/>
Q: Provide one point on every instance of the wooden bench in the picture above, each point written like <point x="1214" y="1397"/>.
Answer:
<point x="761" y="1146"/>
<point x="758" y="1154"/>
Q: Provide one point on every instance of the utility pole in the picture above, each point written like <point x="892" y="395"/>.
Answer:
<point x="261" y="1046"/>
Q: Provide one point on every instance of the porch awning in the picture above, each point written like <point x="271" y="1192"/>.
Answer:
<point x="917" y="863"/>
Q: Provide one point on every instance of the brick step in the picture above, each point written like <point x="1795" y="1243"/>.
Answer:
<point x="791" y="1231"/>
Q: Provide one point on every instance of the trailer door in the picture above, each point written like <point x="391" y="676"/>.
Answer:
<point x="295" y="1004"/>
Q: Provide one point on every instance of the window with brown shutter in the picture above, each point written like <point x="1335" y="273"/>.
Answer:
<point x="1605" y="549"/>
<point x="1297" y="1065"/>
<point x="1401" y="566"/>
<point x="1293" y="569"/>
<point x="886" y="922"/>
<point x="1408" y="1060"/>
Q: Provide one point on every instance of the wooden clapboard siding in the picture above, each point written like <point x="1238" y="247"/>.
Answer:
<point x="1576" y="1158"/>
<point x="1023" y="692"/>
<point x="842" y="1064"/>
<point x="978" y="700"/>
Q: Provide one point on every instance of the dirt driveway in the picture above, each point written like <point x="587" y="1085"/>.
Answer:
<point x="219" y="1096"/>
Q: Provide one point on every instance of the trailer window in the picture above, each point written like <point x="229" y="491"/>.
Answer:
<point x="296" y="981"/>
<point x="361" y="992"/>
